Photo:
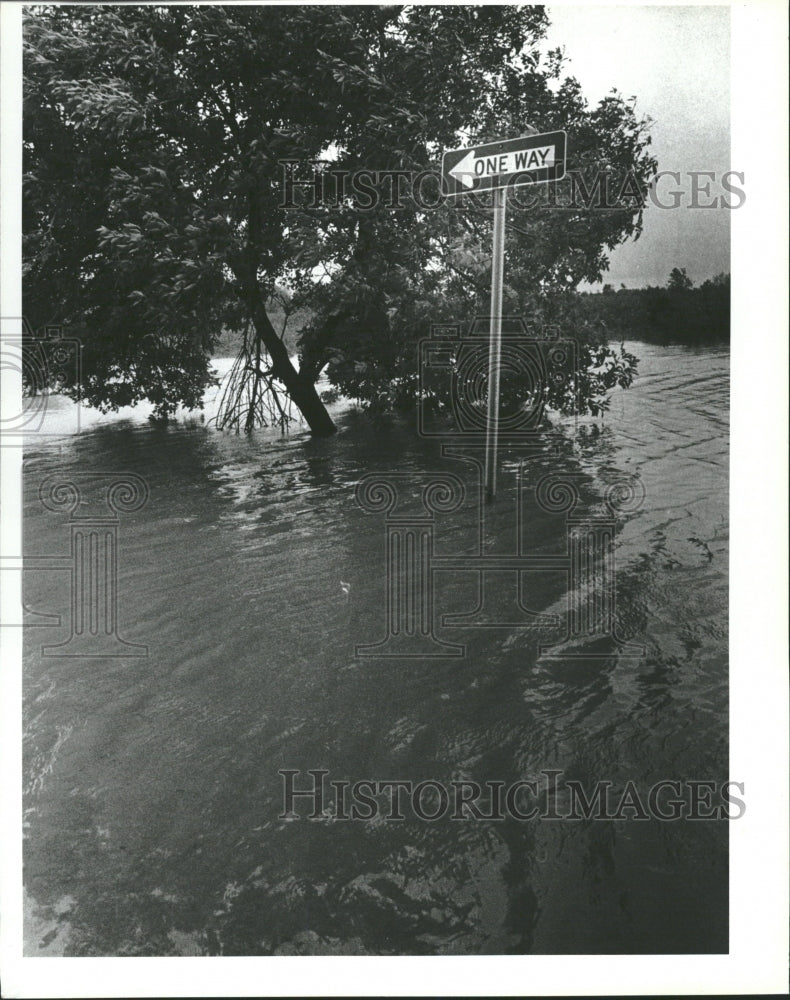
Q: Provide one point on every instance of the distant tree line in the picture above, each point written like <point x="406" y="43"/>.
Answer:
<point x="677" y="313"/>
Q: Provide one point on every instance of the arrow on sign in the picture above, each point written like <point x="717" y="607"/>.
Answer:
<point x="505" y="163"/>
<point x="472" y="167"/>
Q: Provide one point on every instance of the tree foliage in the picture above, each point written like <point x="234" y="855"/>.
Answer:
<point x="679" y="281"/>
<point x="153" y="200"/>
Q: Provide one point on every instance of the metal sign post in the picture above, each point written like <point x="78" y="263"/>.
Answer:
<point x="495" y="342"/>
<point x="495" y="166"/>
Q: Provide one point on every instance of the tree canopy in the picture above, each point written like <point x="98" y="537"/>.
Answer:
<point x="154" y="216"/>
<point x="678" y="280"/>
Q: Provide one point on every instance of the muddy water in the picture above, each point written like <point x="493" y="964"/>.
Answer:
<point x="152" y="792"/>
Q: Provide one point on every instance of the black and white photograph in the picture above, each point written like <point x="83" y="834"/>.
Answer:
<point x="394" y="428"/>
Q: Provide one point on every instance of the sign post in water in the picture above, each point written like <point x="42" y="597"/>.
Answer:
<point x="496" y="166"/>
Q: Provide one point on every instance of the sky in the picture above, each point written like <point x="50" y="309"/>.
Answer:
<point x="676" y="61"/>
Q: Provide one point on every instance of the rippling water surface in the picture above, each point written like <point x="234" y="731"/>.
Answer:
<point x="152" y="793"/>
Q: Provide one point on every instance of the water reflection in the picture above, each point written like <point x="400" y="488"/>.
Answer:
<point x="152" y="792"/>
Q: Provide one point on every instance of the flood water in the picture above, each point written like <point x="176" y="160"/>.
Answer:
<point x="152" y="789"/>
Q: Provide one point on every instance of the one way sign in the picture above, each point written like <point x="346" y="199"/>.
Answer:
<point x="506" y="163"/>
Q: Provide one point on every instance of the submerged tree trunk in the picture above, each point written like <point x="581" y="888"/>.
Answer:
<point x="299" y="387"/>
<point x="305" y="396"/>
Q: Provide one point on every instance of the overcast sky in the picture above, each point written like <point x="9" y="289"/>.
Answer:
<point x="676" y="60"/>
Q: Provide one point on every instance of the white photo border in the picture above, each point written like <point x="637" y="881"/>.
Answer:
<point x="757" y="962"/>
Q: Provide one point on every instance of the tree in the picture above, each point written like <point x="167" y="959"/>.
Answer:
<point x="153" y="199"/>
<point x="679" y="281"/>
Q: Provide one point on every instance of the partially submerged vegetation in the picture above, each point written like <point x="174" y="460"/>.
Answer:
<point x="155" y="214"/>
